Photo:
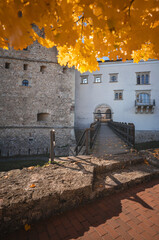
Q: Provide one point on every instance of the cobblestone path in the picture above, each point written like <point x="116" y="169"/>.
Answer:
<point x="132" y="214"/>
<point x="107" y="142"/>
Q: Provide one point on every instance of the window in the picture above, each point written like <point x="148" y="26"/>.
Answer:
<point x="7" y="65"/>
<point x="42" y="69"/>
<point x="25" y="83"/>
<point x="143" y="78"/>
<point x="43" y="117"/>
<point x="84" y="79"/>
<point x="143" y="98"/>
<point x="113" y="77"/>
<point x="118" y="95"/>
<point x="97" y="78"/>
<point x="25" y="66"/>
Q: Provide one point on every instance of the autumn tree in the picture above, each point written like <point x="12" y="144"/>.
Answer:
<point x="83" y="30"/>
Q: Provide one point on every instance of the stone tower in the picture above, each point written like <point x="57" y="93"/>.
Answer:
<point x="36" y="95"/>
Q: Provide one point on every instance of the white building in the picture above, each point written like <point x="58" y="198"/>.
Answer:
<point x="122" y="91"/>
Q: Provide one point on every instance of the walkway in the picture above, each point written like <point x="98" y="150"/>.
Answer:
<point x="107" y="142"/>
<point x="132" y="214"/>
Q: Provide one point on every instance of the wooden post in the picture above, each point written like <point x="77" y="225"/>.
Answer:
<point x="52" y="146"/>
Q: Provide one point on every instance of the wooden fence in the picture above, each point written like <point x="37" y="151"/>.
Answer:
<point x="126" y="131"/>
<point x="87" y="138"/>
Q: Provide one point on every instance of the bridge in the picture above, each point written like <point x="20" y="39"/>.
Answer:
<point x="106" y="138"/>
<point x="108" y="142"/>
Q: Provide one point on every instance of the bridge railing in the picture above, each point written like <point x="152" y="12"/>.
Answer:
<point x="87" y="138"/>
<point x="94" y="127"/>
<point x="126" y="131"/>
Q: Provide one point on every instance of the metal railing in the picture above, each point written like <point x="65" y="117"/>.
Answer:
<point x="126" y="131"/>
<point x="145" y="103"/>
<point x="87" y="138"/>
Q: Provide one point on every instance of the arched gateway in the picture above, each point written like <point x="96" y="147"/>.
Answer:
<point x="103" y="113"/>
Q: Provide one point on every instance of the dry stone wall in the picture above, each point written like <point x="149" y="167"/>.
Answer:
<point x="28" y="113"/>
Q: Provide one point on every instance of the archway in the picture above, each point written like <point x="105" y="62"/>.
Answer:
<point x="102" y="113"/>
<point x="108" y="114"/>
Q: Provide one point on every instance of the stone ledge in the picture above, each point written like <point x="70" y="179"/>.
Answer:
<point x="37" y="192"/>
<point x="54" y="189"/>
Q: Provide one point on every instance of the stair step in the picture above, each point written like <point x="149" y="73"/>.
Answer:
<point x="106" y="166"/>
<point x="105" y="184"/>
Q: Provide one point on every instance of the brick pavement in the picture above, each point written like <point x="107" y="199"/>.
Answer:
<point x="132" y="214"/>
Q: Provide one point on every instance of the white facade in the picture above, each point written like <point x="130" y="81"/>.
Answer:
<point x="90" y="95"/>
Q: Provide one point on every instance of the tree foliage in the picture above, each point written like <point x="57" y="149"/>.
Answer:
<point x="83" y="30"/>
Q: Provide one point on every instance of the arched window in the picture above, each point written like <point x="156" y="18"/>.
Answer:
<point x="143" y="98"/>
<point x="25" y="82"/>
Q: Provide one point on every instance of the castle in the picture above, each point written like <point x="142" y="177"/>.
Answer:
<point x="121" y="91"/>
<point x="37" y="95"/>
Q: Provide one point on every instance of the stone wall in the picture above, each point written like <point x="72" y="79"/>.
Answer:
<point x="34" y="141"/>
<point x="146" y="136"/>
<point x="28" y="113"/>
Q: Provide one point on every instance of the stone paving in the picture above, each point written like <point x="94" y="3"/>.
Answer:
<point x="132" y="214"/>
<point x="107" y="142"/>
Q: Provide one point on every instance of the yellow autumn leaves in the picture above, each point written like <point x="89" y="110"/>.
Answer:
<point x="83" y="30"/>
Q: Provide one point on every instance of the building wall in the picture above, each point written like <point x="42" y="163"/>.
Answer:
<point x="50" y="92"/>
<point x="89" y="96"/>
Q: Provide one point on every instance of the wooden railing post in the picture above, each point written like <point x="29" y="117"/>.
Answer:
<point x="52" y="146"/>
